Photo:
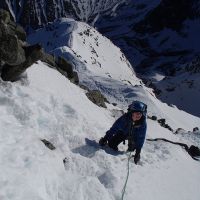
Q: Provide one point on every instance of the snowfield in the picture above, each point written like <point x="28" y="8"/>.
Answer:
<point x="184" y="86"/>
<point x="48" y="106"/>
<point x="102" y="66"/>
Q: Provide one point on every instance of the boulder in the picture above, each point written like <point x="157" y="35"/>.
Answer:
<point x="15" y="29"/>
<point x="64" y="66"/>
<point x="161" y="121"/>
<point x="97" y="98"/>
<point x="12" y="73"/>
<point x="84" y="87"/>
<point x="11" y="51"/>
<point x="194" y="151"/>
<point x="16" y="55"/>
<point x="195" y="129"/>
<point x="48" y="144"/>
<point x="170" y="128"/>
<point x="49" y="59"/>
<point x="75" y="78"/>
<point x="179" y="130"/>
<point x="154" y="118"/>
<point x="4" y="16"/>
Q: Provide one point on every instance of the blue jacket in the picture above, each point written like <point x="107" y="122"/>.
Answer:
<point x="124" y="125"/>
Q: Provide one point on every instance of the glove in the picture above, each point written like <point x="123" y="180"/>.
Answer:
<point x="103" y="141"/>
<point x="137" y="156"/>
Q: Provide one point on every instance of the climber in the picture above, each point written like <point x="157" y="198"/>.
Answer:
<point x="132" y="127"/>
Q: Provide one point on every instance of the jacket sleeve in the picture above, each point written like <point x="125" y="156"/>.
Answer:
<point x="141" y="134"/>
<point x="118" y="126"/>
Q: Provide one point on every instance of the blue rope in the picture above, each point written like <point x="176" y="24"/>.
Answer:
<point x="124" y="188"/>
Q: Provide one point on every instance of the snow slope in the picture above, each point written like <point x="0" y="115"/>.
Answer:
<point x="159" y="37"/>
<point x="96" y="52"/>
<point x="102" y="66"/>
<point x="48" y="106"/>
<point x="182" y="91"/>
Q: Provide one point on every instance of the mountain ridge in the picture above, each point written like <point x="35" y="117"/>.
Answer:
<point x="36" y="13"/>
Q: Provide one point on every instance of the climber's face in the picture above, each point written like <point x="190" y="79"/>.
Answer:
<point x="136" y="116"/>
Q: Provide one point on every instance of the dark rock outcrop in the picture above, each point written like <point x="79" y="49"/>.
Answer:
<point x="12" y="73"/>
<point x="4" y="16"/>
<point x="67" y="69"/>
<point x="49" y="59"/>
<point x="97" y="98"/>
<point x="15" y="54"/>
<point x="48" y="144"/>
<point x="154" y="118"/>
<point x="11" y="51"/>
<point x="161" y="121"/>
<point x="179" y="130"/>
<point x="195" y="129"/>
<point x="194" y="151"/>
<point x="62" y="65"/>
<point x="17" y="30"/>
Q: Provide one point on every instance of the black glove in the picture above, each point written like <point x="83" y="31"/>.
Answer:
<point x="103" y="141"/>
<point x="137" y="156"/>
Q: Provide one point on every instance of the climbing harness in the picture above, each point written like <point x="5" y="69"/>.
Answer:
<point x="124" y="188"/>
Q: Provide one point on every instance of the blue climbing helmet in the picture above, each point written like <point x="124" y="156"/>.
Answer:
<point x="138" y="106"/>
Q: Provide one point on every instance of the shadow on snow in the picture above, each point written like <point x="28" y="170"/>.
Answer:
<point x="92" y="146"/>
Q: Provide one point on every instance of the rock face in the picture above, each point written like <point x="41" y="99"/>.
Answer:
<point x="15" y="54"/>
<point x="64" y="67"/>
<point x="13" y="72"/>
<point x="97" y="98"/>
<point x="48" y="144"/>
<point x="10" y="46"/>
